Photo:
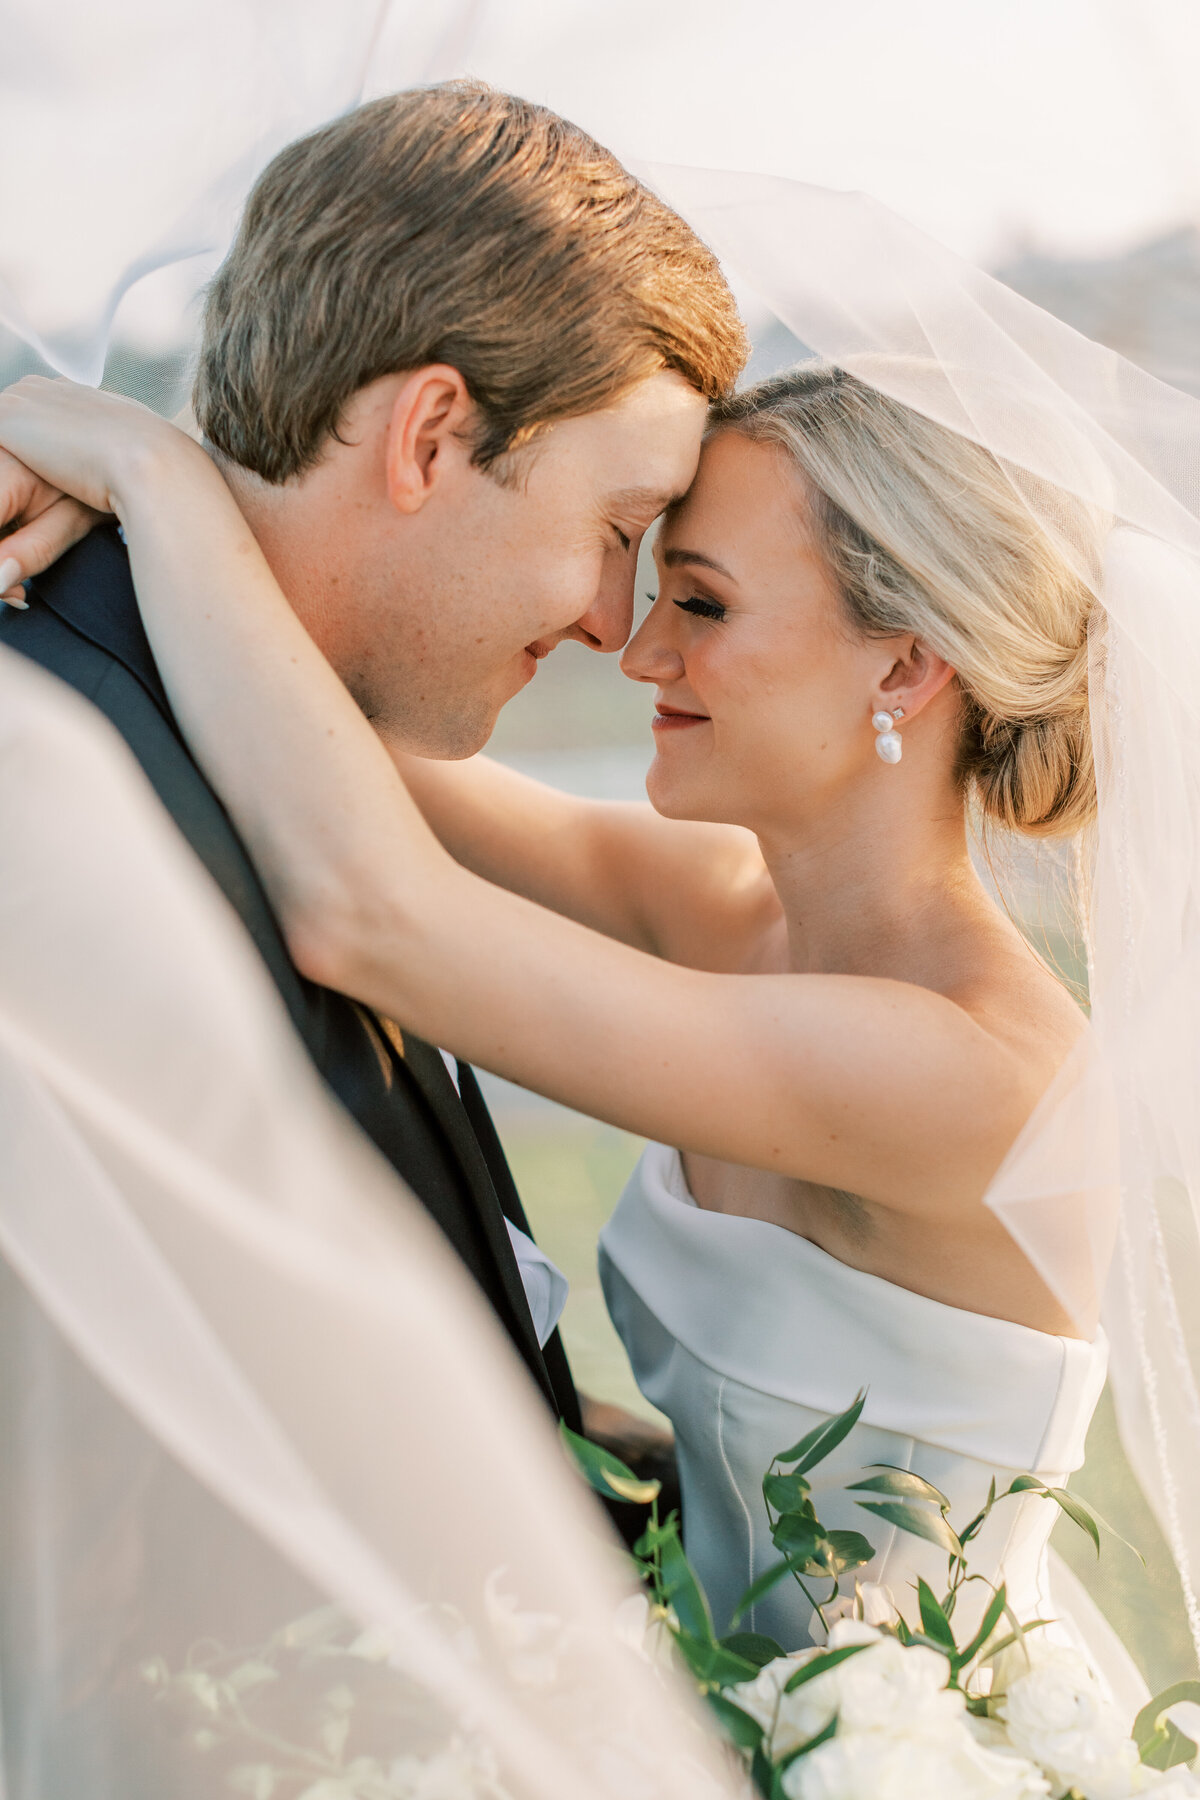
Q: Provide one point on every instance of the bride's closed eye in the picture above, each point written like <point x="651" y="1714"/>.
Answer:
<point x="704" y="609"/>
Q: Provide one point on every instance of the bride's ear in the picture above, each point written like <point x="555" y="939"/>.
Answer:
<point x="428" y="429"/>
<point x="915" y="677"/>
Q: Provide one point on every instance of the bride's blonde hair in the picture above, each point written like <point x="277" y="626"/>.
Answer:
<point x="929" y="533"/>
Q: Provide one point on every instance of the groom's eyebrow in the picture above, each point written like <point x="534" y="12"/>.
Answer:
<point x="650" y="501"/>
<point x="675" y="558"/>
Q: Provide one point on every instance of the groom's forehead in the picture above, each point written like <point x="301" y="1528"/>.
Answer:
<point x="645" y="502"/>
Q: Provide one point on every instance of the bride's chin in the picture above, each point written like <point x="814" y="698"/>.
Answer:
<point x="673" y="797"/>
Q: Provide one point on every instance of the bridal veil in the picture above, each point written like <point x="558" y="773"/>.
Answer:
<point x="280" y="1515"/>
<point x="251" y="1525"/>
<point x="1103" y="1188"/>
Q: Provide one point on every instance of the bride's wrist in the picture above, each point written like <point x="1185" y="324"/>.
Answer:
<point x="150" y="465"/>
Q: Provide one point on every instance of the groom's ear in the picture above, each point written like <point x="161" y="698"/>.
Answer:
<point x="430" y="427"/>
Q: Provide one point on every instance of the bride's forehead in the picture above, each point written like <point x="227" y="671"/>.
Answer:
<point x="742" y="489"/>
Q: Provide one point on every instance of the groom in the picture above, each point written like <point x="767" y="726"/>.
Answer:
<point x="417" y="292"/>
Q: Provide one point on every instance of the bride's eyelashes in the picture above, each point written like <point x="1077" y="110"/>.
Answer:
<point x="703" y="609"/>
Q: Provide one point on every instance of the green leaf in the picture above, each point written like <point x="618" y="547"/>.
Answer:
<point x="1006" y="1643"/>
<point x="656" y="1535"/>
<point x="1086" y="1517"/>
<point x="606" y="1473"/>
<point x="929" y="1525"/>
<point x="817" y="1444"/>
<point x="902" y="1483"/>
<point x="969" y="1531"/>
<point x="738" y="1726"/>
<point x="797" y="1538"/>
<point x="850" y="1551"/>
<point x="786" y="1493"/>
<point x="755" y="1646"/>
<point x="684" y="1593"/>
<point x="709" y="1663"/>
<point x="761" y="1585"/>
<point x="762" y="1773"/>
<point x="1160" y="1742"/>
<point x="813" y="1743"/>
<point x="991" y="1619"/>
<point x="819" y="1665"/>
<point x="933" y="1619"/>
<point x="1076" y="1512"/>
<point x="1089" y="1520"/>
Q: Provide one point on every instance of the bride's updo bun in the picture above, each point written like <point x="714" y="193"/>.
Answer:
<point x="927" y="532"/>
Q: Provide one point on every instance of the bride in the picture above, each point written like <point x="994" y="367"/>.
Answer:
<point x="787" y="975"/>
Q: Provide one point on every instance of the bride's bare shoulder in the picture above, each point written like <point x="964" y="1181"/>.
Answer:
<point x="1020" y="1000"/>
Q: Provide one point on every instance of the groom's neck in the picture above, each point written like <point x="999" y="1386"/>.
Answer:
<point x="294" y="536"/>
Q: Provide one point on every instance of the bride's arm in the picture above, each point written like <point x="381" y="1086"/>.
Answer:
<point x="882" y="1089"/>
<point x="695" y="894"/>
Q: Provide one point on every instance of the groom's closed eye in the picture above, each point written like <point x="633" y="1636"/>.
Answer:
<point x="638" y="508"/>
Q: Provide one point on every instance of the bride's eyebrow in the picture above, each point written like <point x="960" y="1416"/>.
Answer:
<point x="674" y="559"/>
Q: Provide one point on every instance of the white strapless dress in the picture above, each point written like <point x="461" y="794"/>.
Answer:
<point x="746" y="1336"/>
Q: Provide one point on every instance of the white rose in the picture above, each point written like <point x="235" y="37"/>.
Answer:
<point x="763" y="1699"/>
<point x="883" y="1687"/>
<point x="873" y="1765"/>
<point x="871" y="1602"/>
<point x="1172" y="1784"/>
<point x="458" y="1772"/>
<point x="532" y="1643"/>
<point x="1057" y="1714"/>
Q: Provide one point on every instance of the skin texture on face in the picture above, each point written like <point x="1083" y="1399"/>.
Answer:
<point x="764" y="690"/>
<point x="435" y="587"/>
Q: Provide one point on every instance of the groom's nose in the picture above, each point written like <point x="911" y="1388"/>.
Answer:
<point x="608" y="621"/>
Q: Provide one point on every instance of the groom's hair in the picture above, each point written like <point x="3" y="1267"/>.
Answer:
<point x="452" y="224"/>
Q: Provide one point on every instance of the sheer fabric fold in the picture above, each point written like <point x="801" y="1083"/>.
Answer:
<point x="280" y="1514"/>
<point x="1102" y="1190"/>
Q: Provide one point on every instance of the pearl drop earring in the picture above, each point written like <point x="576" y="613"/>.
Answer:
<point x="889" y="747"/>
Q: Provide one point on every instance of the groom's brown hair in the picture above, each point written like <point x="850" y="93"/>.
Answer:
<point x="452" y="224"/>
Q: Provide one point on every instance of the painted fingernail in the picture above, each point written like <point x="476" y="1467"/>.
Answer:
<point x="17" y="599"/>
<point x="10" y="573"/>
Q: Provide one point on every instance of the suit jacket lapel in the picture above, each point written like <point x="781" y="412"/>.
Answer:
<point x="482" y="1124"/>
<point x="433" y="1078"/>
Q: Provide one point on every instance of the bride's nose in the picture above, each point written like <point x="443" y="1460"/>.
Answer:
<point x="648" y="656"/>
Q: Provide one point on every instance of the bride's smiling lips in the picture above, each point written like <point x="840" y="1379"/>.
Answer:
<point x="673" y="718"/>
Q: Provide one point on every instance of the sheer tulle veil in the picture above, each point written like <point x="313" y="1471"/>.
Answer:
<point x="248" y="1517"/>
<point x="1103" y="1188"/>
<point x="278" y="1507"/>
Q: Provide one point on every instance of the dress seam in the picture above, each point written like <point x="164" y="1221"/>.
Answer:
<point x="741" y="1498"/>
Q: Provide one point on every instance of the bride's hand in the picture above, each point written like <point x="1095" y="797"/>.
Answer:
<point x="70" y="450"/>
<point x="38" y="524"/>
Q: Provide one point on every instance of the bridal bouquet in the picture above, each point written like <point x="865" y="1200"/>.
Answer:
<point x="889" y="1708"/>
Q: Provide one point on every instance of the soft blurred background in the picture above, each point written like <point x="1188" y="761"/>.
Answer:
<point x="1054" y="141"/>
